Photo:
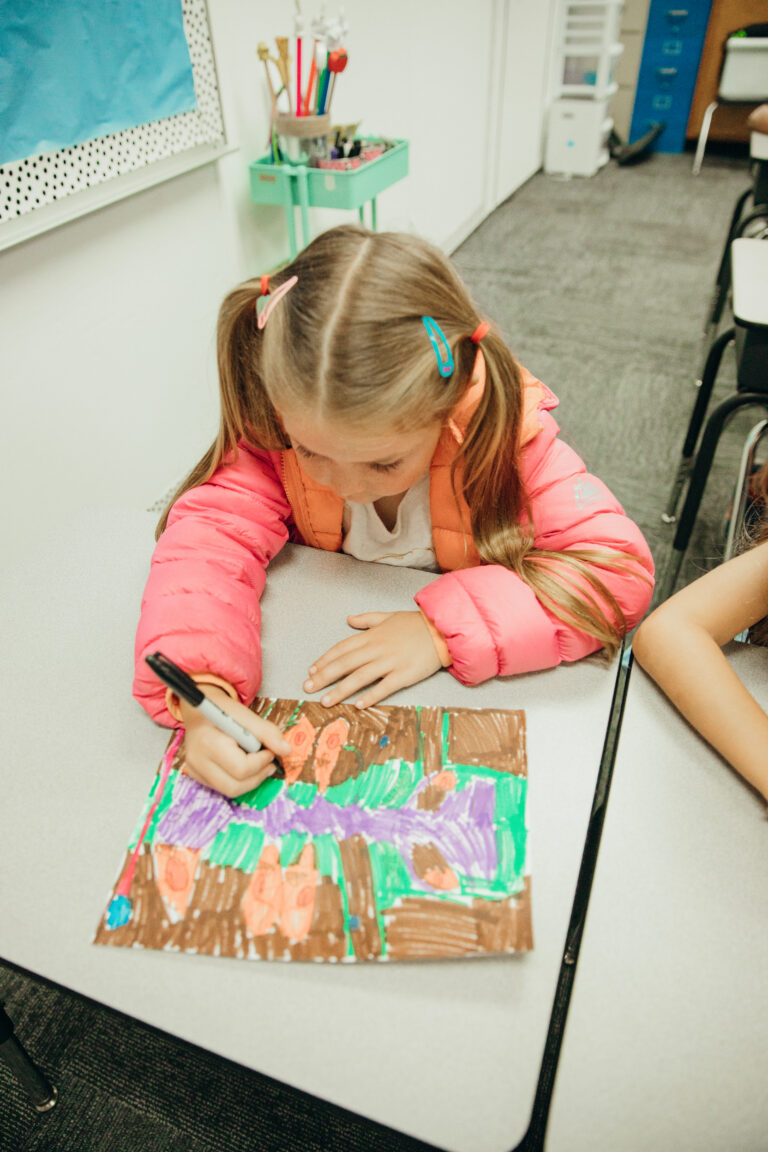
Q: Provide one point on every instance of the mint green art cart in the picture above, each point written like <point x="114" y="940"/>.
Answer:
<point x="296" y="185"/>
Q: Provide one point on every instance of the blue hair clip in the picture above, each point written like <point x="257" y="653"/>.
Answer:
<point x="434" y="331"/>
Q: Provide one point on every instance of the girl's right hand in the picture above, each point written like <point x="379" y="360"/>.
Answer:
<point x="215" y="759"/>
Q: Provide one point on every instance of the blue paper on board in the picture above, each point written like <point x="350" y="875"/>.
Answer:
<point x="75" y="70"/>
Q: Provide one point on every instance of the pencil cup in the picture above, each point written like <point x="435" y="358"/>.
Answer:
<point x="302" y="137"/>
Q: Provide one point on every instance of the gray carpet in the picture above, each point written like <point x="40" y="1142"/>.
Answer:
<point x="601" y="287"/>
<point x="124" y="1087"/>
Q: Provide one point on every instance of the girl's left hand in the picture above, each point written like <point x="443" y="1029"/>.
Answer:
<point x="394" y="649"/>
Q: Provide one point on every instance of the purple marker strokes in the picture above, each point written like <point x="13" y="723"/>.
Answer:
<point x="196" y="814"/>
<point x="462" y="828"/>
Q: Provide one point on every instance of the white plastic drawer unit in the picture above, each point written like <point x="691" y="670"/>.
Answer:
<point x="587" y="47"/>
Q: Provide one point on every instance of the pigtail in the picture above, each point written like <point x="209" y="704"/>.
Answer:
<point x="245" y="409"/>
<point x="567" y="583"/>
<point x="492" y="485"/>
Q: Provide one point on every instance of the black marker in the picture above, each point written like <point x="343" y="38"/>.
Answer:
<point x="185" y="687"/>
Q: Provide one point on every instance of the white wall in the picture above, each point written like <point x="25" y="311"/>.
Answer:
<point x="107" y="323"/>
<point x="525" y="32"/>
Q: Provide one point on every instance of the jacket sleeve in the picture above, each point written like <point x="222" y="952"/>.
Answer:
<point x="201" y="602"/>
<point x="492" y="621"/>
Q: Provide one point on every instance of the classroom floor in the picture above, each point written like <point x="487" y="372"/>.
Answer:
<point x="601" y="287"/>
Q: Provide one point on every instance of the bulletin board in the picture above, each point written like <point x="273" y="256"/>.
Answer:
<point x="41" y="191"/>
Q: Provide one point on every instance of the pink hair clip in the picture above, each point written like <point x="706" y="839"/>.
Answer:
<point x="274" y="298"/>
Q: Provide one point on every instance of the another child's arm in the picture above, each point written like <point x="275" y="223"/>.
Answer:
<point x="679" y="645"/>
<point x="757" y="121"/>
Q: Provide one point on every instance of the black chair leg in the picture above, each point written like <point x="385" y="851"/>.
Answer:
<point x="39" y="1089"/>
<point x="760" y="182"/>
<point x="708" y="376"/>
<point x="699" y="475"/>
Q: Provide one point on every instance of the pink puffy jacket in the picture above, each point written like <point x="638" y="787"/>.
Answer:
<point x="201" y="602"/>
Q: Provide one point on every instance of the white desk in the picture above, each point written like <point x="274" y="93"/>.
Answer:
<point x="665" y="1045"/>
<point x="750" y="280"/>
<point x="449" y="1051"/>
<point x="758" y="145"/>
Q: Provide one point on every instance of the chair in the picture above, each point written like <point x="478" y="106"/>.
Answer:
<point x="750" y="218"/>
<point x="747" y="220"/>
<point x="749" y="261"/>
<point x="743" y="80"/>
<point x="736" y="525"/>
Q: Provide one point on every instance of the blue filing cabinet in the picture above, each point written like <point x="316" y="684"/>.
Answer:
<point x="674" y="37"/>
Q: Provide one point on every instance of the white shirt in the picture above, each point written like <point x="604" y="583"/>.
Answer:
<point x="409" y="544"/>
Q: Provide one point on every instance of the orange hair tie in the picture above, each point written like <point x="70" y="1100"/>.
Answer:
<point x="265" y="285"/>
<point x="482" y="330"/>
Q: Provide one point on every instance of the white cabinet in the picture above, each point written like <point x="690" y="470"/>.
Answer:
<point x="525" y="43"/>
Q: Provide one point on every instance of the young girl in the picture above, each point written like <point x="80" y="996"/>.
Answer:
<point x="368" y="408"/>
<point x="679" y="645"/>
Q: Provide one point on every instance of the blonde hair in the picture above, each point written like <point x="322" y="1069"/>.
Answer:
<point x="348" y="342"/>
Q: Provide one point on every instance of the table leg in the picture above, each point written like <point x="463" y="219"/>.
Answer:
<point x="39" y="1089"/>
<point x="361" y="213"/>
<point x="303" y="189"/>
<point x="288" y="205"/>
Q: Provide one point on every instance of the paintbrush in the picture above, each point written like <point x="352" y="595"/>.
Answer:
<point x="284" y="67"/>
<point x="263" y="53"/>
